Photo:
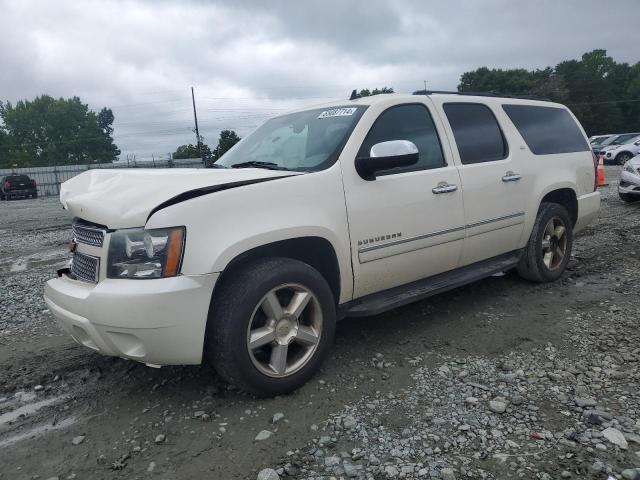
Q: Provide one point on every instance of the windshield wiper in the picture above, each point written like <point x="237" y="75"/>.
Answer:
<point x="256" y="164"/>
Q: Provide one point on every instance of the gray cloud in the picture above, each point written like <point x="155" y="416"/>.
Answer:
<point x="250" y="59"/>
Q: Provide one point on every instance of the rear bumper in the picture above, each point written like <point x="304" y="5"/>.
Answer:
<point x="588" y="208"/>
<point x="160" y="321"/>
<point x="27" y="192"/>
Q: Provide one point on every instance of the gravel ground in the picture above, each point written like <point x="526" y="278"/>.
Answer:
<point x="498" y="379"/>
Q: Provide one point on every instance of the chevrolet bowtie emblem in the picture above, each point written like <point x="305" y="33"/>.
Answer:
<point x="72" y="246"/>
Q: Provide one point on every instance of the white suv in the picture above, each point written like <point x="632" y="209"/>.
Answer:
<point x="620" y="154"/>
<point x="345" y="209"/>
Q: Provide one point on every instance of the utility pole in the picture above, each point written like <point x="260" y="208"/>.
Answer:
<point x="425" y="85"/>
<point x="195" y="118"/>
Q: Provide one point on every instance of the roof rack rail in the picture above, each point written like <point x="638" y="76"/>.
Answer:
<point x="481" y="94"/>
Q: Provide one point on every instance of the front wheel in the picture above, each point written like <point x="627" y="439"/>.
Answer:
<point x="622" y="158"/>
<point x="271" y="324"/>
<point x="549" y="248"/>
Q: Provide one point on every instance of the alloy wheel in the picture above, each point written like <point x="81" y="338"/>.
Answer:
<point x="623" y="158"/>
<point x="554" y="243"/>
<point x="284" y="331"/>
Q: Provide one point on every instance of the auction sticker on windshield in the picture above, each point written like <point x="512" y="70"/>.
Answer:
<point x="338" y="112"/>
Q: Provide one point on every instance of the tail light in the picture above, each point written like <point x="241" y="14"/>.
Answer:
<point x="33" y="183"/>
<point x="7" y="185"/>
<point x="595" y="171"/>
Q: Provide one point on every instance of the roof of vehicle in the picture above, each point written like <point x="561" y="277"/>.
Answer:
<point x="442" y="96"/>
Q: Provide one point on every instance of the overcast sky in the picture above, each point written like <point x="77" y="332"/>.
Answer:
<point x="249" y="60"/>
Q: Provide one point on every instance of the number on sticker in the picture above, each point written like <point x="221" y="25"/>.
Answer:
<point x="338" y="112"/>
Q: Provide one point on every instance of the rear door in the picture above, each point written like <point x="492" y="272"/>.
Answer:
<point x="493" y="184"/>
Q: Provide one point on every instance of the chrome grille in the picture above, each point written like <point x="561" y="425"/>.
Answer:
<point x="85" y="267"/>
<point x="88" y="235"/>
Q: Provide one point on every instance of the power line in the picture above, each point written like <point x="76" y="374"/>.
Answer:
<point x="180" y="128"/>
<point x="603" y="103"/>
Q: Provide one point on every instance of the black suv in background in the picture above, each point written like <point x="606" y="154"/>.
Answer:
<point x="15" y="185"/>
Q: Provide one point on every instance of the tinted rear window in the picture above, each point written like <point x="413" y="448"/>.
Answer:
<point x="18" y="178"/>
<point x="477" y="132"/>
<point x="547" y="130"/>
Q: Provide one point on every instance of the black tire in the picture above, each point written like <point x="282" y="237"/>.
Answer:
<point x="532" y="265"/>
<point x="1" y="196"/>
<point x="628" y="197"/>
<point x="622" y="158"/>
<point x="35" y="195"/>
<point x="232" y="307"/>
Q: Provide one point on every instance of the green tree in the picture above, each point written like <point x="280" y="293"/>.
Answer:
<point x="365" y="92"/>
<point x="602" y="93"/>
<point x="49" y="131"/>
<point x="191" y="151"/>
<point x="228" y="138"/>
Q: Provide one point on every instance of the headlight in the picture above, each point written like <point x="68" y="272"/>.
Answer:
<point x="630" y="169"/>
<point x="138" y="253"/>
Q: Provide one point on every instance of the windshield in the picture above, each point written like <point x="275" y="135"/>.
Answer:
<point x="623" y="139"/>
<point x="304" y="141"/>
<point x="598" y="141"/>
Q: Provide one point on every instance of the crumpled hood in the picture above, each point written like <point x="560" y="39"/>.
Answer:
<point x="123" y="198"/>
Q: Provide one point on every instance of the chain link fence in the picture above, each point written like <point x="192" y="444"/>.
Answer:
<point x="48" y="179"/>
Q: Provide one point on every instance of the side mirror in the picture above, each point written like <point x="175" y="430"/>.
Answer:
<point x="386" y="155"/>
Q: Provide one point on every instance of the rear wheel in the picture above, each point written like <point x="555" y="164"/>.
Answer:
<point x="270" y="326"/>
<point x="628" y="197"/>
<point x="549" y="248"/>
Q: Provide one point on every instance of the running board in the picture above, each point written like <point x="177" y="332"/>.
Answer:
<point x="412" y="292"/>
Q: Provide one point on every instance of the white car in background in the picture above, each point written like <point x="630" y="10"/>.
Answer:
<point x="620" y="154"/>
<point x="629" y="186"/>
<point x="614" y="142"/>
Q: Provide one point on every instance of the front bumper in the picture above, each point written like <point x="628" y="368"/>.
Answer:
<point x="588" y="208"/>
<point x="159" y="321"/>
<point x="629" y="183"/>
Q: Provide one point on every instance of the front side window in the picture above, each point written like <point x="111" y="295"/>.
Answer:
<point x="303" y="141"/>
<point x="477" y="133"/>
<point x="547" y="130"/>
<point x="411" y="122"/>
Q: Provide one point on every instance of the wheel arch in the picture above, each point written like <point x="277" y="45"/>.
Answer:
<point x="564" y="196"/>
<point x="622" y="153"/>
<point x="315" y="251"/>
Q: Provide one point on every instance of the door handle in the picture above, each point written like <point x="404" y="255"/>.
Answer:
<point x="444" y="187"/>
<point x="511" y="177"/>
